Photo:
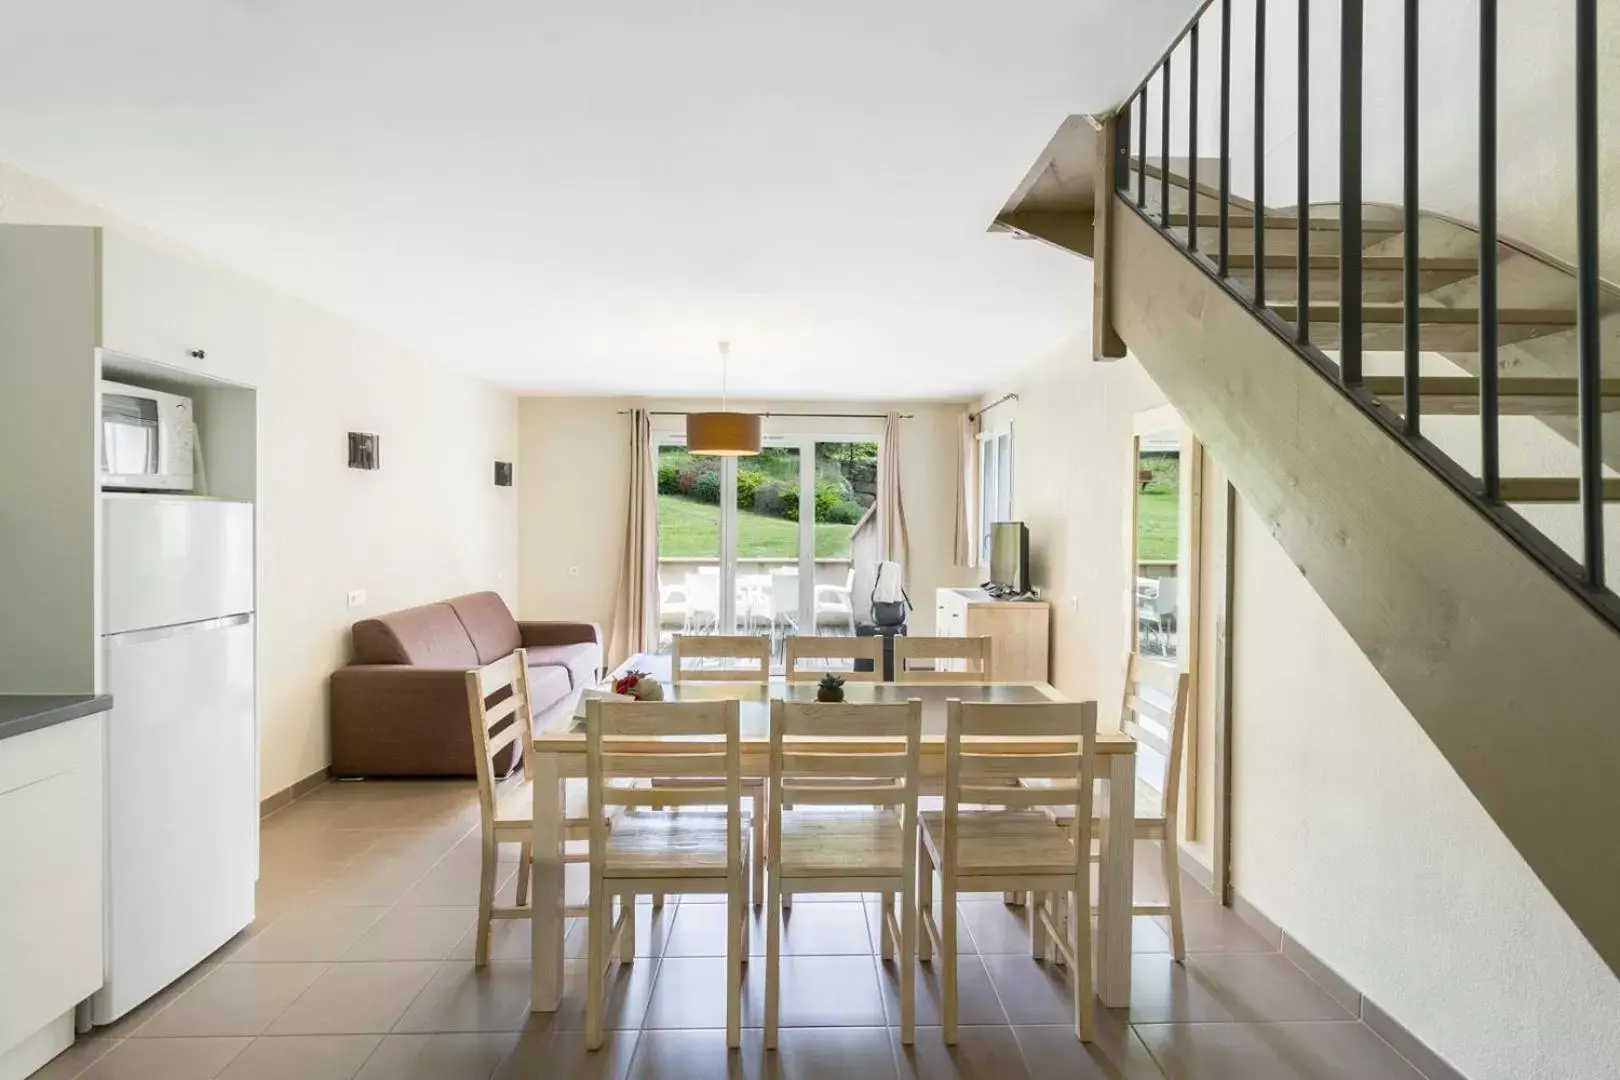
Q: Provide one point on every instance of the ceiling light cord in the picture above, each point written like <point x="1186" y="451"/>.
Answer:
<point x="725" y="357"/>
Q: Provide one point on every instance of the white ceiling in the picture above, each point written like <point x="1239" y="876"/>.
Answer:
<point x="587" y="196"/>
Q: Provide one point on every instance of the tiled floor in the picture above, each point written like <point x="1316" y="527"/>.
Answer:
<point x="360" y="967"/>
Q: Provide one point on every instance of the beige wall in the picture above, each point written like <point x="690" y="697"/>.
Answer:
<point x="427" y="525"/>
<point x="574" y="461"/>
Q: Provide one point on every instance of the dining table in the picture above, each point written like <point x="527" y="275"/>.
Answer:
<point x="559" y="755"/>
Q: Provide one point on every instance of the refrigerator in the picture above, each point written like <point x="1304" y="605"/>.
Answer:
<point x="181" y="739"/>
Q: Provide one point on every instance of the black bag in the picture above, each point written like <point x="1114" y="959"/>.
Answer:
<point x="889" y="612"/>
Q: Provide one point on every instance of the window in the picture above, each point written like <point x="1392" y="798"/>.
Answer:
<point x="995" y="486"/>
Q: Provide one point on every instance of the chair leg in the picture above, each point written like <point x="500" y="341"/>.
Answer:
<point x="736" y="950"/>
<point x="1038" y="944"/>
<point x="773" y="958"/>
<point x="1079" y="933"/>
<point x="596" y="931"/>
<point x="1172" y="882"/>
<point x="908" y="965"/>
<point x="947" y="945"/>
<point x="925" y="899"/>
<point x="486" y="901"/>
<point x="758" y="860"/>
<point x="625" y="947"/>
<point x="525" y="860"/>
<point x="886" y="942"/>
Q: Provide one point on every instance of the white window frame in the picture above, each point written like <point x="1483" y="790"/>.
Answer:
<point x="995" y="485"/>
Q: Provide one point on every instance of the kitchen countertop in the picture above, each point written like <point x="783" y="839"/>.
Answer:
<point x="20" y="713"/>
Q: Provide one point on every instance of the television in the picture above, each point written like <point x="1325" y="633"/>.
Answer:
<point x="1009" y="559"/>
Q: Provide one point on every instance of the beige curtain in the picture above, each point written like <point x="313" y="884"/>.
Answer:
<point x="967" y="436"/>
<point x="635" y="610"/>
<point x="894" y="543"/>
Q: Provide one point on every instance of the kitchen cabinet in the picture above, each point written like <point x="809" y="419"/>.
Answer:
<point x="1019" y="630"/>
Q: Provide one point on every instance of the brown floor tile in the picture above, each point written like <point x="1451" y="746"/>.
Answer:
<point x="84" y="1052"/>
<point x="439" y="1057"/>
<point x="698" y="1055"/>
<point x="1302" y="1051"/>
<point x="233" y="999"/>
<point x="509" y="939"/>
<point x="309" y="934"/>
<point x="1209" y="927"/>
<point x="818" y="991"/>
<point x="976" y="1000"/>
<point x="166" y="1059"/>
<point x="448" y="884"/>
<point x="132" y="1021"/>
<point x="996" y="928"/>
<point x="562" y="1056"/>
<point x="374" y="880"/>
<point x="1031" y="991"/>
<point x="1114" y="1054"/>
<point x="689" y="992"/>
<point x="1243" y="987"/>
<point x="286" y="847"/>
<point x="303" y="1057"/>
<point x="418" y="933"/>
<point x="653" y="927"/>
<point x="980" y="1053"/>
<point x="964" y="938"/>
<point x="626" y="994"/>
<point x="462" y="997"/>
<point x="834" y="1054"/>
<point x="355" y="999"/>
<point x="823" y="930"/>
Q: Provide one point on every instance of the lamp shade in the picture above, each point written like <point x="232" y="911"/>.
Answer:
<point x="723" y="434"/>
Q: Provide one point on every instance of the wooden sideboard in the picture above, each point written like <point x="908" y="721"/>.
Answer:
<point x="1019" y="630"/>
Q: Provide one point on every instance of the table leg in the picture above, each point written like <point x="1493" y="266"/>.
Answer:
<point x="1114" y="901"/>
<point x="548" y="922"/>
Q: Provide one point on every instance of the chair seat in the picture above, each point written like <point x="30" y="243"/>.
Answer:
<point x="845" y="843"/>
<point x="1003" y="842"/>
<point x="653" y="844"/>
<point x="514" y="805"/>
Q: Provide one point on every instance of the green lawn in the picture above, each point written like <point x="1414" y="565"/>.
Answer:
<point x="1158" y="510"/>
<point x="687" y="529"/>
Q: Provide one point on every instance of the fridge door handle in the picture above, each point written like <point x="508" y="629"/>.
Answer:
<point x="160" y="633"/>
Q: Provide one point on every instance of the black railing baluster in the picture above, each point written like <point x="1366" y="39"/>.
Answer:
<point x="1489" y="403"/>
<point x="1223" y="263"/>
<point x="1164" y="146"/>
<point x="1590" y="359"/>
<point x="1259" y="211"/>
<point x="1141" y="152"/>
<point x="1304" y="168"/>
<point x="1122" y="145"/>
<point x="1409" y="225"/>
<point x="1350" y="46"/>
<point x="1192" y="139"/>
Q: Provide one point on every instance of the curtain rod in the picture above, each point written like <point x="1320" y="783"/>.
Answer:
<point x="1002" y="400"/>
<point x="805" y="415"/>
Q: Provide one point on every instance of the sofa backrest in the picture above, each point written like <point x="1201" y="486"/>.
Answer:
<point x="489" y="623"/>
<point x="428" y="636"/>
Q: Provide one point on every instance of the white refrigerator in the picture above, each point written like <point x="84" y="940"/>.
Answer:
<point x="181" y="764"/>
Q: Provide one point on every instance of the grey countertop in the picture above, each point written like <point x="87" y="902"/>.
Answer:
<point x="20" y="713"/>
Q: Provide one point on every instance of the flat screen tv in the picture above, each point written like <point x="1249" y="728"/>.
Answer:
<point x="1009" y="557"/>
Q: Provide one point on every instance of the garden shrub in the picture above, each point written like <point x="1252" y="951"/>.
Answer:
<point x="669" y="479"/>
<point x="749" y="482"/>
<point x="707" y="488"/>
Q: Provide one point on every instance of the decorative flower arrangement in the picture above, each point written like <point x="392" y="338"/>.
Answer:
<point x="831" y="688"/>
<point x="639" y="685"/>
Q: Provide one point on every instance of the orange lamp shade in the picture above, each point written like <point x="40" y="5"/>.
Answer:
<point x="723" y="434"/>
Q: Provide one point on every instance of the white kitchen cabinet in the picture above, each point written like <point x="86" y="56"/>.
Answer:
<point x="50" y="881"/>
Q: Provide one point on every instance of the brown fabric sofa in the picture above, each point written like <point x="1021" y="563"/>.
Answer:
<point x="400" y="707"/>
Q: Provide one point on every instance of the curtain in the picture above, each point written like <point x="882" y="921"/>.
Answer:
<point x="635" y="609"/>
<point x="894" y="543"/>
<point x="967" y="431"/>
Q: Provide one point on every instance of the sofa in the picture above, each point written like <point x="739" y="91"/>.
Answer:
<point x="399" y="708"/>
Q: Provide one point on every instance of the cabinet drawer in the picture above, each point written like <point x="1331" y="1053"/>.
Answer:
<point x="39" y="755"/>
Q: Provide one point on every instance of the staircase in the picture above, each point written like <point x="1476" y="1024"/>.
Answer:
<point x="1417" y="409"/>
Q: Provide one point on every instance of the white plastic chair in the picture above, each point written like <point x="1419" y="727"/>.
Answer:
<point x="703" y="600"/>
<point x="836" y="600"/>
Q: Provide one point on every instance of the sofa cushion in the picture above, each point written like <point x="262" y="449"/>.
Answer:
<point x="579" y="660"/>
<point x="548" y="684"/>
<point x="428" y="636"/>
<point x="489" y="624"/>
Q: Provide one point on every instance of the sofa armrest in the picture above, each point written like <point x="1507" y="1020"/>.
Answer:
<point x="400" y="720"/>
<point x="559" y="633"/>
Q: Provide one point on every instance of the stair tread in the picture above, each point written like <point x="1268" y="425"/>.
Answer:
<point x="1273" y="220"/>
<point x="1369" y="263"/>
<point x="1436" y="316"/>
<point x="1552" y="489"/>
<point x="1516" y="395"/>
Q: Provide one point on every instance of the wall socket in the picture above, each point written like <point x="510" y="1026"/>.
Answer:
<point x="573" y="571"/>
<point x="1074" y="603"/>
<point x="357" y="597"/>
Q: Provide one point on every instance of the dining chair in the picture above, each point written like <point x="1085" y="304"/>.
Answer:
<point x="836" y="847"/>
<point x="698" y="852"/>
<point x="1017" y="848"/>
<point x="836" y="600"/>
<point x="852" y="649"/>
<point x="974" y="650"/>
<point x="757" y="652"/>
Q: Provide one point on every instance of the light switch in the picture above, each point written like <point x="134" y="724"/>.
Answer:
<point x="357" y="597"/>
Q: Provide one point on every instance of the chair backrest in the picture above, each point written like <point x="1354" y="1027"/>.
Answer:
<point x="874" y="761"/>
<point x="1168" y="596"/>
<point x="997" y="751"/>
<point x="1166" y="712"/>
<point x="801" y="647"/>
<point x="719" y="647"/>
<point x="974" y="650"/>
<point x="698" y="742"/>
<point x="508" y="721"/>
<point x="703" y="590"/>
<point x="784" y="592"/>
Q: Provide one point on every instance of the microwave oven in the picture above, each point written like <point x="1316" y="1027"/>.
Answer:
<point x="147" y="439"/>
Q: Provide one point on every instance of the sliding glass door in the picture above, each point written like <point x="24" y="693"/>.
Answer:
<point x="762" y="544"/>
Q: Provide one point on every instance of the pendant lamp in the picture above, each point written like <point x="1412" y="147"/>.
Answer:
<point x="723" y="433"/>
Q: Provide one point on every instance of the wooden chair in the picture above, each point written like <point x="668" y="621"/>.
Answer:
<point x="833" y="648"/>
<point x="974" y="650"/>
<point x="872" y="849"/>
<point x="714" y="647"/>
<point x="647" y="851"/>
<point x="1019" y="848"/>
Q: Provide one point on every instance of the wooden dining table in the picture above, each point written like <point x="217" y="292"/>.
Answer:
<point x="559" y="755"/>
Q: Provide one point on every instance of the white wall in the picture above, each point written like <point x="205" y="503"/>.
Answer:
<point x="428" y="525"/>
<point x="574" y="465"/>
<point x="1353" y="833"/>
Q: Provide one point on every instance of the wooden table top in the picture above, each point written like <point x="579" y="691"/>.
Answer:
<point x="566" y="728"/>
